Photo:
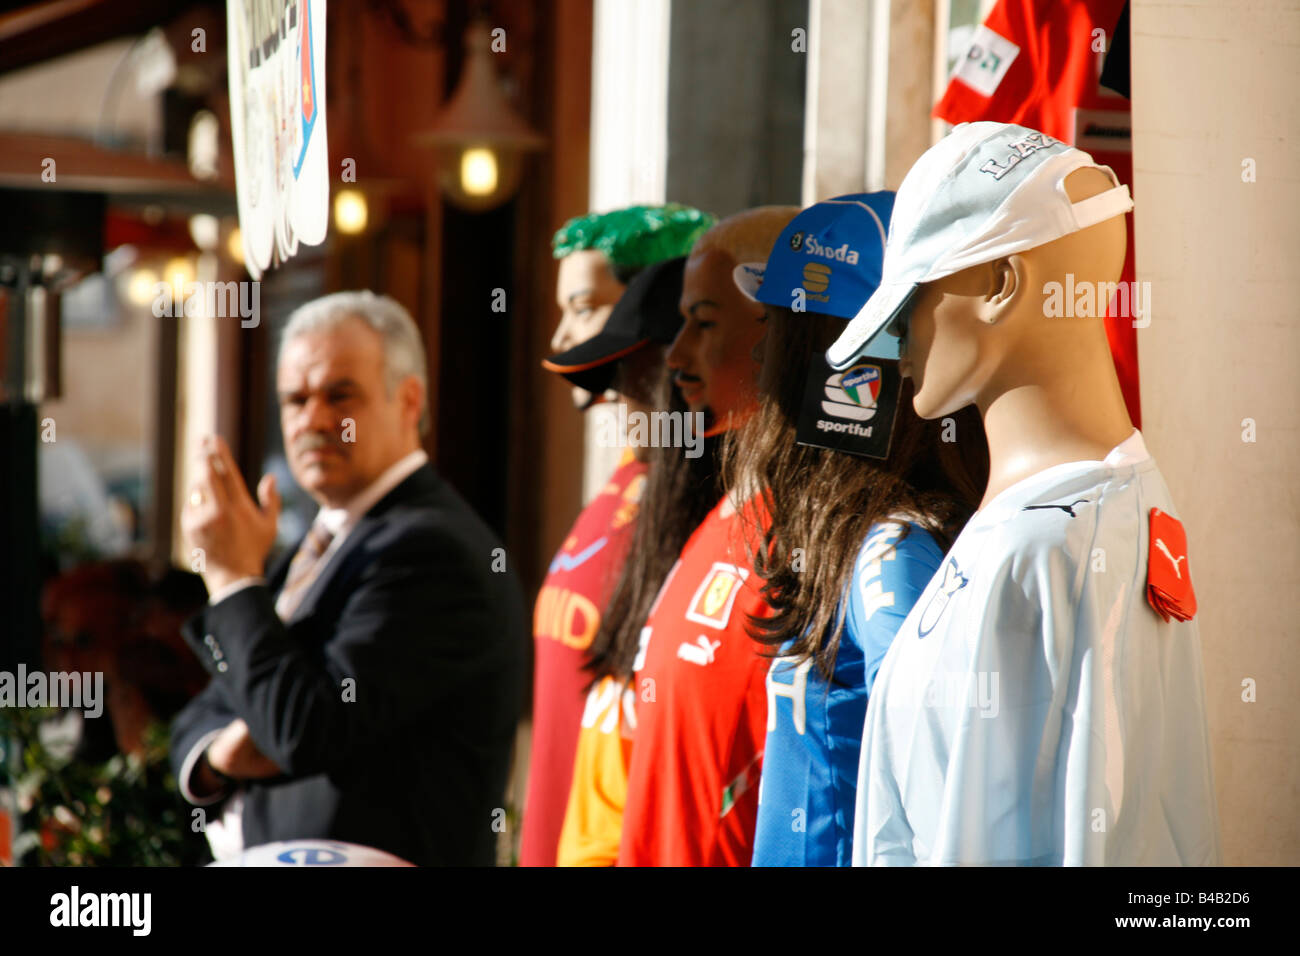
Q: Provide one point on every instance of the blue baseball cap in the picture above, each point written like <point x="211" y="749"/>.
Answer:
<point x="828" y="260"/>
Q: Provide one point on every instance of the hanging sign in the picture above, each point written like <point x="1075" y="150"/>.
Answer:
<point x="276" y="51"/>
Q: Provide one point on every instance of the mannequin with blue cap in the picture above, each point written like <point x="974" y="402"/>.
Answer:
<point x="1043" y="702"/>
<point x="864" y="498"/>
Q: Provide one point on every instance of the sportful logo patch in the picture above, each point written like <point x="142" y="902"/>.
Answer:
<point x="1019" y="150"/>
<point x="851" y="411"/>
<point x="852" y="394"/>
<point x="816" y="280"/>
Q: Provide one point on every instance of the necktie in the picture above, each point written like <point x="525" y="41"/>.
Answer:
<point x="302" y="568"/>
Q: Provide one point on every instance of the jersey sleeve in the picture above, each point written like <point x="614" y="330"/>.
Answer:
<point x="888" y="578"/>
<point x="593" y="820"/>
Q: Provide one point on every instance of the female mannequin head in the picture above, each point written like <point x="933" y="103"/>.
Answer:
<point x="824" y="502"/>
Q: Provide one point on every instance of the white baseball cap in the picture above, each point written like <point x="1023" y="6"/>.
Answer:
<point x="984" y="191"/>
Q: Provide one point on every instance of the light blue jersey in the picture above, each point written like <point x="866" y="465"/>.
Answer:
<point x="1034" y="708"/>
<point x="814" y="729"/>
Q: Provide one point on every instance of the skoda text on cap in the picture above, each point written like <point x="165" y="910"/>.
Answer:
<point x="827" y="260"/>
<point x="984" y="191"/>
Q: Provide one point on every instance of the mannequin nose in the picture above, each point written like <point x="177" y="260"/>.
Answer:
<point x="561" y="339"/>
<point x="675" y="358"/>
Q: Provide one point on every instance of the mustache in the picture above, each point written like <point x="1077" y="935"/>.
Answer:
<point x="314" y="440"/>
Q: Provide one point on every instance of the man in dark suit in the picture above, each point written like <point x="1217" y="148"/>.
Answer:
<point x="368" y="689"/>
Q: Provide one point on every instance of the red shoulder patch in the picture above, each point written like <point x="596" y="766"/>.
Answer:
<point x="1169" y="579"/>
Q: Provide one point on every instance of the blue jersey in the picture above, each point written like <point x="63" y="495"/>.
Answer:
<point x="814" y="729"/>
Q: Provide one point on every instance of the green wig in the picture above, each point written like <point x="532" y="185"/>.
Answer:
<point x="634" y="237"/>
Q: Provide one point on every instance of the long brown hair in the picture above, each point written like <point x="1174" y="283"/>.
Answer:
<point x="825" y="502"/>
<point x="679" y="493"/>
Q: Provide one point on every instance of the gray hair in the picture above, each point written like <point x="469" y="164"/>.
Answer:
<point x="403" y="347"/>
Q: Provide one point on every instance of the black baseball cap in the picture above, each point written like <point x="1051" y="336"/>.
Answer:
<point x="647" y="312"/>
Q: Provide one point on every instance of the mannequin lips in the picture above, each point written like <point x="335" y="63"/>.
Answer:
<point x="690" y="386"/>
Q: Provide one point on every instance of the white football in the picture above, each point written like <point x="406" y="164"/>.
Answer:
<point x="312" y="853"/>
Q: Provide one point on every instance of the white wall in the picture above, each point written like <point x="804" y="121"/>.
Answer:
<point x="629" y="143"/>
<point x="871" y="84"/>
<point x="1214" y="85"/>
<point x="86" y="93"/>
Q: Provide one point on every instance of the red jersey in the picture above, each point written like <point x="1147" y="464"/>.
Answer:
<point x="701" y="708"/>
<point x="580" y="580"/>
<point x="1038" y="63"/>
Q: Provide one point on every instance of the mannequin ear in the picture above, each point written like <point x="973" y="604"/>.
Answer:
<point x="1007" y="282"/>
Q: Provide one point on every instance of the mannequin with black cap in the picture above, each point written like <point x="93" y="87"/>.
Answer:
<point x="600" y="254"/>
<point x="1044" y="701"/>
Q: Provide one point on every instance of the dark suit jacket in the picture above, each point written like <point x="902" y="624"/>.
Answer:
<point x="412" y="612"/>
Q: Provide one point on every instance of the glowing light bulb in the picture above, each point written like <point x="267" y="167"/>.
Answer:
<point x="478" y="171"/>
<point x="179" y="271"/>
<point x="235" y="245"/>
<point x="142" y="286"/>
<point x="350" y="211"/>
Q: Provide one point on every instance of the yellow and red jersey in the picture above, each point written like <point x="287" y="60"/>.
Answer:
<point x="566" y="617"/>
<point x="593" y="822"/>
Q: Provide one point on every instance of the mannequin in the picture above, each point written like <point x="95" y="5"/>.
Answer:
<point x="585" y="291"/>
<point x="859" y="523"/>
<point x="699" y="701"/>
<point x="605" y="263"/>
<point x="599" y="254"/>
<point x="713" y="356"/>
<point x="1024" y="372"/>
<point x="1043" y="703"/>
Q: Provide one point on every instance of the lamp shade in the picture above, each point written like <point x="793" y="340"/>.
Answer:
<point x="478" y="138"/>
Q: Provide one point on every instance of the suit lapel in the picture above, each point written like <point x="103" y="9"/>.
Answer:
<point x="421" y="483"/>
<point x="337" y="562"/>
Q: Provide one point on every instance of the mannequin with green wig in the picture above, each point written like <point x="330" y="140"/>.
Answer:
<point x="599" y="255"/>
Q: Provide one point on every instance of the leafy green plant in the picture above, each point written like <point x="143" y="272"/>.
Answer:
<point x="125" y="811"/>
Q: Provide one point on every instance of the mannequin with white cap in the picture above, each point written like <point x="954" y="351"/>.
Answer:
<point x="1046" y="387"/>
<point x="1044" y="701"/>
